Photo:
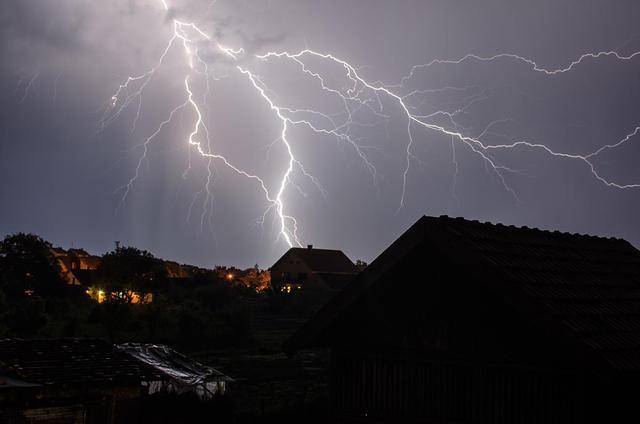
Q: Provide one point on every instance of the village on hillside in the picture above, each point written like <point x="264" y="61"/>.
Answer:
<point x="319" y="212"/>
<point x="210" y="337"/>
<point x="456" y="321"/>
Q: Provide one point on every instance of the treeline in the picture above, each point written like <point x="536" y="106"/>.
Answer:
<point x="203" y="309"/>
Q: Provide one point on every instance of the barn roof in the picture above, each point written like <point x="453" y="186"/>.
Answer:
<point x="585" y="286"/>
<point x="322" y="260"/>
<point x="64" y="362"/>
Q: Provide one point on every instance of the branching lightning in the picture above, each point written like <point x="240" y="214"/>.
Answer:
<point x="534" y="66"/>
<point x="357" y="96"/>
<point x="29" y="85"/>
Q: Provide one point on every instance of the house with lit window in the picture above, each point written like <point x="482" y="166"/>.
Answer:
<point x="312" y="269"/>
<point x="468" y="322"/>
<point x="77" y="266"/>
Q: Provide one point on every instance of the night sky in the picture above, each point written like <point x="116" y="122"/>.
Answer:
<point x="62" y="172"/>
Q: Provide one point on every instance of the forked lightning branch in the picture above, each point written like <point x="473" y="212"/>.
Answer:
<point x="356" y="95"/>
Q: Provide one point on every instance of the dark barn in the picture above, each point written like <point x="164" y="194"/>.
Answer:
<point x="467" y="322"/>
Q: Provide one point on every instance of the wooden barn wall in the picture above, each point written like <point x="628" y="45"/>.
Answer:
<point x="428" y="343"/>
<point x="387" y="389"/>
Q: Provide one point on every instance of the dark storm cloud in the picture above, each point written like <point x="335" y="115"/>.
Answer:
<point x="32" y="21"/>
<point x="58" y="174"/>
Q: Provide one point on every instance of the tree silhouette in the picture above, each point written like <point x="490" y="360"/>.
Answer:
<point x="127" y="270"/>
<point x="28" y="267"/>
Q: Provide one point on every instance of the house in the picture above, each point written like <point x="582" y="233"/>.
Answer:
<point x="310" y="268"/>
<point x="77" y="266"/>
<point x="469" y="322"/>
<point x="70" y="381"/>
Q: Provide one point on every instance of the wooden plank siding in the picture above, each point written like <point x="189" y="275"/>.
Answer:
<point x="384" y="388"/>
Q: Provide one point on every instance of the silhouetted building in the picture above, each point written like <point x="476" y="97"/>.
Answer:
<point x="460" y="321"/>
<point x="309" y="268"/>
<point x="88" y="381"/>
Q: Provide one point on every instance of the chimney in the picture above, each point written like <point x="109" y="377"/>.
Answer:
<point x="309" y="246"/>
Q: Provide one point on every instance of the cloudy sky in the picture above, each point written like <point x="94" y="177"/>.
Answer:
<point x="69" y="150"/>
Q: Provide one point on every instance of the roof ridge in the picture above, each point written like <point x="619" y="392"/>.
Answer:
<point x="486" y="224"/>
<point x="316" y="249"/>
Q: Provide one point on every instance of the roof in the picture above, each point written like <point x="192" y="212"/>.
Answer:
<point x="58" y="251"/>
<point x="78" y="252"/>
<point x="64" y="362"/>
<point x="583" y="286"/>
<point x="173" y="364"/>
<point x="322" y="260"/>
<point x="11" y="383"/>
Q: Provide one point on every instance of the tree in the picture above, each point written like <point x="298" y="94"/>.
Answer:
<point x="27" y="316"/>
<point x="28" y="267"/>
<point x="127" y="270"/>
<point x="255" y="279"/>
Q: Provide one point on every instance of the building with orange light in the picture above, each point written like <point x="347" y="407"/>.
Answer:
<point x="312" y="269"/>
<point x="76" y="265"/>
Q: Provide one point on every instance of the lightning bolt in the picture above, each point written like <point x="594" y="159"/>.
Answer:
<point x="531" y="63"/>
<point x="126" y="95"/>
<point x="29" y="86"/>
<point x="359" y="85"/>
<point x="357" y="96"/>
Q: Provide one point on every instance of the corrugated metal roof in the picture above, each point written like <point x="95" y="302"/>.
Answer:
<point x="172" y="363"/>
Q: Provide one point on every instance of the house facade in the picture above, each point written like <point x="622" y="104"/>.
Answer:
<point x="312" y="269"/>
<point x="467" y="322"/>
<point x="77" y="266"/>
